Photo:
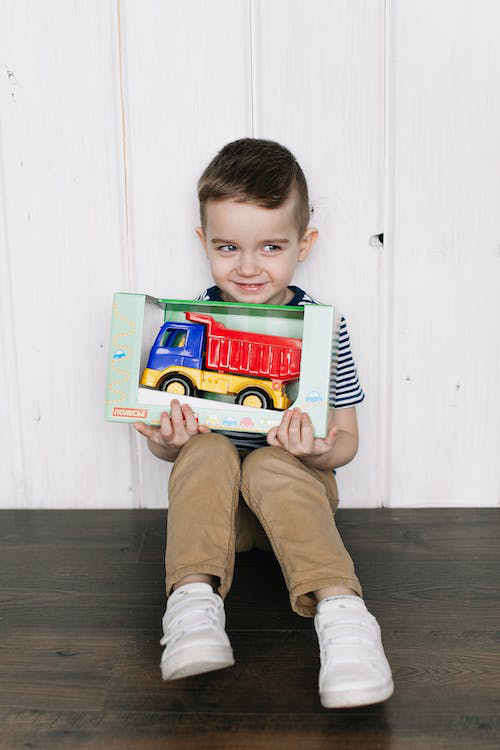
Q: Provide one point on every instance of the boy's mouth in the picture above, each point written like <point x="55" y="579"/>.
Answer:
<point x="249" y="287"/>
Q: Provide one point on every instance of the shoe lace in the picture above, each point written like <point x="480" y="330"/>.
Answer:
<point x="343" y="638"/>
<point x="208" y="610"/>
<point x="340" y="645"/>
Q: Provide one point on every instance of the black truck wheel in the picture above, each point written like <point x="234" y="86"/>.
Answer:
<point x="179" y="384"/>
<point x="254" y="397"/>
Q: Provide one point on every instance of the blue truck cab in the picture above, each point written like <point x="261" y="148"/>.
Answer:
<point x="178" y="344"/>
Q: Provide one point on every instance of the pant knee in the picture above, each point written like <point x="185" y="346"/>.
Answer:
<point x="202" y="450"/>
<point x="271" y="468"/>
<point x="254" y="468"/>
<point x="262" y="459"/>
<point x="266" y="460"/>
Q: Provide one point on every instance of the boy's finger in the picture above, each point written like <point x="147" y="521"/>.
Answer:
<point x="294" y="436"/>
<point x="188" y="413"/>
<point x="153" y="433"/>
<point x="176" y="414"/>
<point x="282" y="429"/>
<point x="334" y="433"/>
<point x="272" y="438"/>
<point x="295" y="422"/>
<point x="307" y="434"/>
<point x="145" y="429"/>
<point x="329" y="440"/>
<point x="165" y="426"/>
<point x="178" y="421"/>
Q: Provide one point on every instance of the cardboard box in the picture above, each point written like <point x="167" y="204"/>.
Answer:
<point x="137" y="320"/>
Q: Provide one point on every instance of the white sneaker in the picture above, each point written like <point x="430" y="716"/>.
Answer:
<point x="354" y="670"/>
<point x="194" y="635"/>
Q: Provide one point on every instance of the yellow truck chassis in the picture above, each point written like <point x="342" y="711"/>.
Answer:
<point x="218" y="382"/>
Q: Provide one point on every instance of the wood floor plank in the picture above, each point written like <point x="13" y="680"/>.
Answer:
<point x="352" y="729"/>
<point x="70" y="669"/>
<point x="439" y="534"/>
<point x="72" y="534"/>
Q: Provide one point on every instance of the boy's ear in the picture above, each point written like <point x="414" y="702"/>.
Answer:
<point x="201" y="237"/>
<point x="307" y="242"/>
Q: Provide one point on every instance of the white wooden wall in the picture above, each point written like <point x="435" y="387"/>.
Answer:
<point x="109" y="111"/>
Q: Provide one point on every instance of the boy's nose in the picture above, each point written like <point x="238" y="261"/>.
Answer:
<point x="248" y="266"/>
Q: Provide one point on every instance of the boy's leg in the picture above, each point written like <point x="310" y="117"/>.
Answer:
<point x="203" y="499"/>
<point x="295" y="504"/>
<point x="206" y="523"/>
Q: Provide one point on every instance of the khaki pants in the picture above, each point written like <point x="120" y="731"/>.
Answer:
<point x="222" y="502"/>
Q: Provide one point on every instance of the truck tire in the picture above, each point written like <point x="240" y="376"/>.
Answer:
<point x="255" y="397"/>
<point x="178" y="384"/>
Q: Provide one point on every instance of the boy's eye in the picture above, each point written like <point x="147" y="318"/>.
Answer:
<point x="232" y="248"/>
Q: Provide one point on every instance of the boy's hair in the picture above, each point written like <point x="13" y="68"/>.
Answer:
<point x="253" y="170"/>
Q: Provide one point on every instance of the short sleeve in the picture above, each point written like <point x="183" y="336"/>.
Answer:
<point x="203" y="296"/>
<point x="345" y="389"/>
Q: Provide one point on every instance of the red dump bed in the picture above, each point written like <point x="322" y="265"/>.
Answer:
<point x="246" y="353"/>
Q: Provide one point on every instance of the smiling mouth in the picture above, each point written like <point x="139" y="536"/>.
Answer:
<point x="249" y="286"/>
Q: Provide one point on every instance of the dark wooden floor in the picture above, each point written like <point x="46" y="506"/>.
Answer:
<point x="82" y="596"/>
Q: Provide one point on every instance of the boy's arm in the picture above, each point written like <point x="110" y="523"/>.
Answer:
<point x="346" y="443"/>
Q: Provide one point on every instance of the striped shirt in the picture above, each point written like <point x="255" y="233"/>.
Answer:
<point x="345" y="389"/>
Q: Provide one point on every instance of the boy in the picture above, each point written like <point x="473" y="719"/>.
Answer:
<point x="254" y="211"/>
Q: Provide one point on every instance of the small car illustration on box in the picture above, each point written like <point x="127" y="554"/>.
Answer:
<point x="313" y="397"/>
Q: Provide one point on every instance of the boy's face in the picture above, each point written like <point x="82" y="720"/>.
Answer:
<point x="253" y="251"/>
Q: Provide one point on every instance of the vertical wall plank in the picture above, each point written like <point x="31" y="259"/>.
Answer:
<point x="187" y="94"/>
<point x="63" y="213"/>
<point x="319" y="78"/>
<point x="12" y="471"/>
<point x="444" y="235"/>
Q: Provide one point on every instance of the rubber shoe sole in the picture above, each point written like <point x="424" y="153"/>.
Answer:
<point x="356" y="696"/>
<point x="191" y="661"/>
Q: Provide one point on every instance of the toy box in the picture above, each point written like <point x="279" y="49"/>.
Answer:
<point x="238" y="365"/>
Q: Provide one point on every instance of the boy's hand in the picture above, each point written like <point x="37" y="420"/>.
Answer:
<point x="295" y="434"/>
<point x="174" y="430"/>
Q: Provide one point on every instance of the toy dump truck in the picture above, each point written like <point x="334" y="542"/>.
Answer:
<point x="188" y="358"/>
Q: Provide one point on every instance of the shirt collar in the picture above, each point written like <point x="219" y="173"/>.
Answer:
<point x="214" y="294"/>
